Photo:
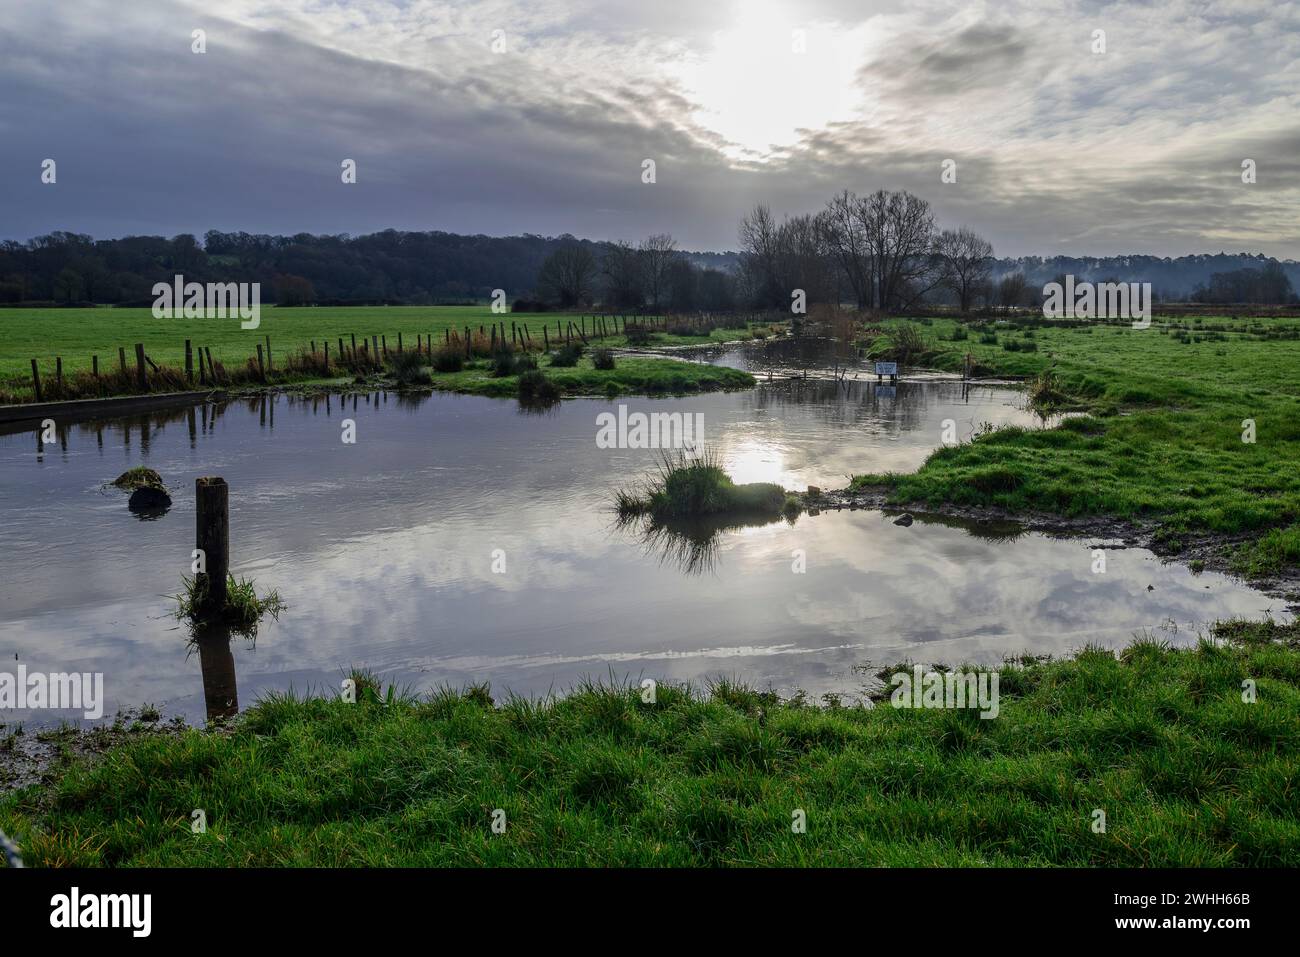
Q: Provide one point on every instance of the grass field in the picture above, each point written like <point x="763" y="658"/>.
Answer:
<point x="1160" y="740"/>
<point x="77" y="334"/>
<point x="1163" y="438"/>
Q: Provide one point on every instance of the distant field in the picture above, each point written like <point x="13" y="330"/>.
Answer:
<point x="77" y="334"/>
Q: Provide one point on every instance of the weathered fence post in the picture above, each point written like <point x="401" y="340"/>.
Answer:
<point x="141" y="377"/>
<point x="121" y="358"/>
<point x="212" y="538"/>
<point x="270" y="366"/>
<point x="189" y="363"/>
<point x="261" y="369"/>
<point x="58" y="375"/>
<point x="36" y="380"/>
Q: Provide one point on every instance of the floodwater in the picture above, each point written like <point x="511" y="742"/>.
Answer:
<point x="464" y="539"/>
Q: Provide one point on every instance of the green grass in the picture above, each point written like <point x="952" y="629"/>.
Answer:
<point x="695" y="486"/>
<point x="630" y="375"/>
<point x="1160" y="740"/>
<point x="77" y="334"/>
<point x="1162" y="439"/>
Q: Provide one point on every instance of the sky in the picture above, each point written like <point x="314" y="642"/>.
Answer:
<point x="536" y="116"/>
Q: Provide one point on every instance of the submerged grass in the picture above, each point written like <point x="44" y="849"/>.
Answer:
<point x="1187" y="773"/>
<point x="1200" y="434"/>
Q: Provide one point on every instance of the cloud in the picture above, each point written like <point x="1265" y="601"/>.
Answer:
<point x="1058" y="149"/>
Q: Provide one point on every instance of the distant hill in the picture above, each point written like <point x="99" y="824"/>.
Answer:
<point x="1171" y="279"/>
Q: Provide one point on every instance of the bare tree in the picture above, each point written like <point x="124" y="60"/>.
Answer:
<point x="1011" y="290"/>
<point x="657" y="255"/>
<point x="624" y="277"/>
<point x="759" y="254"/>
<point x="964" y="260"/>
<point x="804" y="261"/>
<point x="567" y="276"/>
<point x="842" y="228"/>
<point x="900" y="230"/>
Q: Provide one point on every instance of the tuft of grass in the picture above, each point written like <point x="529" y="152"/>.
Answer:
<point x="695" y="486"/>
<point x="408" y="368"/>
<point x="535" y="386"/>
<point x="602" y="359"/>
<point x="567" y="356"/>
<point x="243" y="611"/>
<point x="138" y="477"/>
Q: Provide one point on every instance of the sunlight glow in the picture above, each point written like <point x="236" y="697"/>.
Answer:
<point x="755" y="90"/>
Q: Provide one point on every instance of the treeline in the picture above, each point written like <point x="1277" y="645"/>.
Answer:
<point x="885" y="252"/>
<point x="881" y="251"/>
<point x="417" y="268"/>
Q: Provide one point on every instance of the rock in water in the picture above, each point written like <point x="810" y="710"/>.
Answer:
<point x="149" y="498"/>
<point x="905" y="519"/>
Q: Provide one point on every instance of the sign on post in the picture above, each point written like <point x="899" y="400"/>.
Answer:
<point x="887" y="368"/>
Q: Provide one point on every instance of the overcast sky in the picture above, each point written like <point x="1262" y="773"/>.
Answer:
<point x="1058" y="149"/>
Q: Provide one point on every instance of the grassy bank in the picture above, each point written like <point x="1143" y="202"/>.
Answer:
<point x="629" y="375"/>
<point x="1160" y="740"/>
<point x="1162" y="438"/>
<point x="75" y="335"/>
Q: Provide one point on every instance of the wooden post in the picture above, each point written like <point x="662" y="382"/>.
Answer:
<point x="121" y="358"/>
<point x="58" y="375"/>
<point x="399" y="342"/>
<point x="354" y="347"/>
<point x="494" y="337"/>
<point x="203" y="379"/>
<point x="212" y="370"/>
<point x="270" y="366"/>
<point x="189" y="362"/>
<point x="375" y="352"/>
<point x="141" y="377"/>
<point x="94" y="369"/>
<point x="212" y="538"/>
<point x="327" y="356"/>
<point x="385" y="340"/>
<point x="467" y="343"/>
<point x="546" y="339"/>
<point x="446" y="335"/>
<point x="261" y="369"/>
<point x="36" y="380"/>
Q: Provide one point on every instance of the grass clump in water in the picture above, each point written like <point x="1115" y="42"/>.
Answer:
<point x="243" y="611"/>
<point x="696" y="486"/>
<point x="138" y="477"/>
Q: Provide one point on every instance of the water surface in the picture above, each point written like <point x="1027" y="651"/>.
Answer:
<point x="385" y="550"/>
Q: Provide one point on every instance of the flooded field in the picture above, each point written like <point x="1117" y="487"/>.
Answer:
<point x="464" y="539"/>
